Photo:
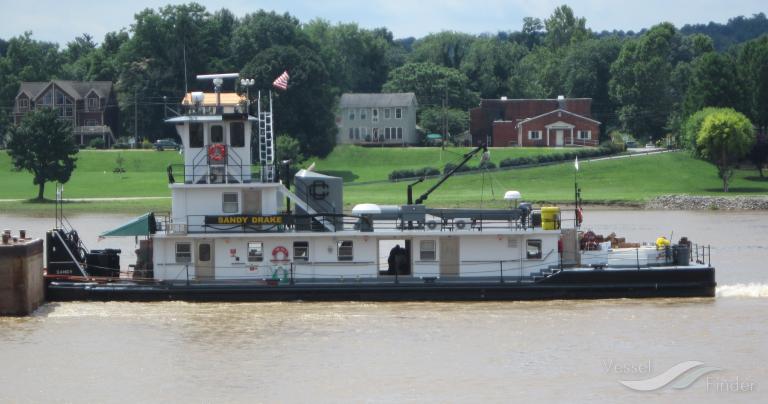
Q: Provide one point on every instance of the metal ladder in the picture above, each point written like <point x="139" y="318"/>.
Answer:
<point x="266" y="142"/>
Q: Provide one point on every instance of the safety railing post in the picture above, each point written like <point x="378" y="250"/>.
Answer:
<point x="501" y="271"/>
<point x="186" y="269"/>
<point x="637" y="257"/>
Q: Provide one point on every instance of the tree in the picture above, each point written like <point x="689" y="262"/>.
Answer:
<point x="563" y="28"/>
<point x="714" y="83"/>
<point x="759" y="153"/>
<point x="447" y="48"/>
<point x="690" y="129"/>
<point x="489" y="65"/>
<point x="725" y="137"/>
<point x="432" y="84"/>
<point x="640" y="82"/>
<point x="43" y="145"/>
<point x="434" y="120"/>
<point x="288" y="148"/>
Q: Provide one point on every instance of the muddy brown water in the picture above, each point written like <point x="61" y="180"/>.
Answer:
<point x="571" y="351"/>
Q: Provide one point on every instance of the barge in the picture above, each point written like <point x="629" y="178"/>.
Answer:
<point x="236" y="235"/>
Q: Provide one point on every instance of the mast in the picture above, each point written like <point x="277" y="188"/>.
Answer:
<point x="266" y="141"/>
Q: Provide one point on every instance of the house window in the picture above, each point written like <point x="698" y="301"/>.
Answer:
<point x="534" y="134"/>
<point x="399" y="133"/>
<point x="585" y="134"/>
<point x="357" y="133"/>
<point x="217" y="134"/>
<point x="195" y="135"/>
<point x="237" y="134"/>
<point x="351" y="133"/>
<point x="398" y="113"/>
<point x="301" y="251"/>
<point x="386" y="133"/>
<point x="533" y="249"/>
<point x="351" y="114"/>
<point x="23" y="104"/>
<point x="183" y="253"/>
<point x="387" y="112"/>
<point x="344" y="250"/>
<point x="255" y="251"/>
<point x="93" y="103"/>
<point x="363" y="113"/>
<point x="375" y="134"/>
<point x="60" y="98"/>
<point x="427" y="250"/>
<point x="48" y="98"/>
<point x="375" y="115"/>
<point x="229" y="202"/>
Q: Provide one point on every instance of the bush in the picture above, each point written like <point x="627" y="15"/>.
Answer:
<point x="486" y="165"/>
<point x="426" y="172"/>
<point x="121" y="146"/>
<point x="97" y="143"/>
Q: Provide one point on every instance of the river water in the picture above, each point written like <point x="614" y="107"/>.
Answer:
<point x="568" y="351"/>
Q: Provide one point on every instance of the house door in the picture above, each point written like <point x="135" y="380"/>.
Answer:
<point x="204" y="268"/>
<point x="559" y="139"/>
<point x="449" y="256"/>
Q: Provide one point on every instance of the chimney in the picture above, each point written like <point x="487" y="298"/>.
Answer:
<point x="561" y="102"/>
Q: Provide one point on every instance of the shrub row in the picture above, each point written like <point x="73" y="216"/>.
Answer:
<point x="407" y="173"/>
<point x="603" y="150"/>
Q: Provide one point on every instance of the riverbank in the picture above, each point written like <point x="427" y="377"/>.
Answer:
<point x="695" y="202"/>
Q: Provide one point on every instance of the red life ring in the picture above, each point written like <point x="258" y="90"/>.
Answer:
<point x="579" y="216"/>
<point x="217" y="152"/>
<point x="280" y="253"/>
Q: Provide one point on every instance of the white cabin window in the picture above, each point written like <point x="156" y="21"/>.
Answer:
<point x="585" y="134"/>
<point x="183" y="253"/>
<point x="229" y="202"/>
<point x="217" y="134"/>
<point x="398" y="113"/>
<point x="534" y="134"/>
<point x="344" y="251"/>
<point x="427" y="250"/>
<point x="255" y="251"/>
<point x="237" y="134"/>
<point x="533" y="249"/>
<point x="301" y="251"/>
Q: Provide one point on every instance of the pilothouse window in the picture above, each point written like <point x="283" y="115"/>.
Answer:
<point x="237" y="134"/>
<point x="217" y="134"/>
<point x="196" y="135"/>
<point x="533" y="249"/>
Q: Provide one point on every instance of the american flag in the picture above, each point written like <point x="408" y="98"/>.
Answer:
<point x="282" y="81"/>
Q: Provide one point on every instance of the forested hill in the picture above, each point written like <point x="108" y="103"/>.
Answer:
<point x="736" y="30"/>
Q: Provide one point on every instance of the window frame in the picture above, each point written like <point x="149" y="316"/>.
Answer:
<point x="89" y="102"/>
<point x="535" y="243"/>
<point x="363" y="114"/>
<point x="387" y="113"/>
<point x="257" y="246"/>
<point x="225" y="203"/>
<point x="351" y="114"/>
<point x="424" y="253"/>
<point x="299" y="246"/>
<point x="23" y="104"/>
<point x="210" y="133"/>
<point x="398" y="113"/>
<point x="344" y="245"/>
<point x="537" y="134"/>
<point x="179" y="253"/>
<point x="399" y="133"/>
<point x="588" y="134"/>
<point x="196" y="138"/>
<point x="374" y="115"/>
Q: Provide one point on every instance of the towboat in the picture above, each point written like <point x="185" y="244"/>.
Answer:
<point x="239" y="231"/>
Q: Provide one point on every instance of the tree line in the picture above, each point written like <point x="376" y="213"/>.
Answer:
<point x="645" y="84"/>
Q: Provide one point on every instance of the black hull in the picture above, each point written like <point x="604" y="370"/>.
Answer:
<point x="608" y="284"/>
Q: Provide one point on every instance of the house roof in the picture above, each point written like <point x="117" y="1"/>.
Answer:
<point x="75" y="89"/>
<point x="209" y="99"/>
<point x="355" y="100"/>
<point x="552" y="112"/>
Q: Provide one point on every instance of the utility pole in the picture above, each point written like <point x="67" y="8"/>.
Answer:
<point x="136" y="118"/>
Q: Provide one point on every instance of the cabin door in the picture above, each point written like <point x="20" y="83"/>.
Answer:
<point x="204" y="259"/>
<point x="449" y="256"/>
<point x="559" y="139"/>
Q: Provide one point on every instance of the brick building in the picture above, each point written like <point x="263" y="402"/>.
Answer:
<point x="528" y="122"/>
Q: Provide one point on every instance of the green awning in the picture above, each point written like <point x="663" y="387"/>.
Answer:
<point x="141" y="226"/>
<point x="434" y="136"/>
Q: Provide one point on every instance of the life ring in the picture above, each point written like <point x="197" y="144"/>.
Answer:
<point x="280" y="253"/>
<point x="217" y="152"/>
<point x="460" y="224"/>
<point x="431" y="224"/>
<point x="579" y="216"/>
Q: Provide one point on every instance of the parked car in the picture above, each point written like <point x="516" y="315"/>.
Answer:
<point x="162" y="144"/>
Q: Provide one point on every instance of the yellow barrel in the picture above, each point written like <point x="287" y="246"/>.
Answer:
<point x="550" y="218"/>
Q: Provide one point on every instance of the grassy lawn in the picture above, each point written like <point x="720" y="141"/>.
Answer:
<point x="627" y="180"/>
<point x="93" y="178"/>
<point x="362" y="164"/>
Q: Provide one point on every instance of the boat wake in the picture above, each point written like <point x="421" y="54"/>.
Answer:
<point x="743" y="290"/>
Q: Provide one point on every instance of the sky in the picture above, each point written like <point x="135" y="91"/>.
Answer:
<point x="61" y="21"/>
